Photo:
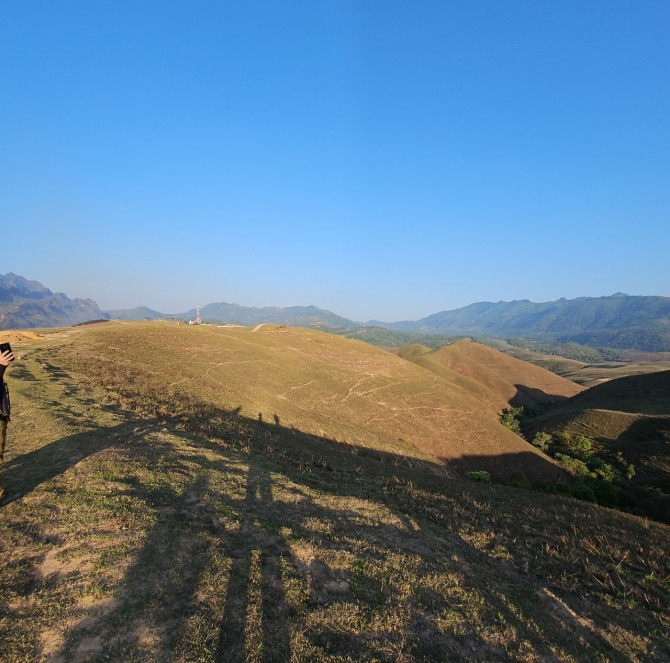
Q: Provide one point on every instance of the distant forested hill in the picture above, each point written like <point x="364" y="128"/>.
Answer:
<point x="618" y="321"/>
<point x="297" y="316"/>
<point x="28" y="304"/>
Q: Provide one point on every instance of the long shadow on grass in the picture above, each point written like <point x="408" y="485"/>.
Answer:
<point x="25" y="472"/>
<point x="431" y="535"/>
<point x="251" y="543"/>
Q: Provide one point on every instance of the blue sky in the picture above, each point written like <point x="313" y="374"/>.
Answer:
<point x="381" y="159"/>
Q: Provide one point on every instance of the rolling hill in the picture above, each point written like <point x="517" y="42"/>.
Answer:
<point x="161" y="518"/>
<point x="495" y="379"/>
<point x="318" y="383"/>
<point x="619" y="321"/>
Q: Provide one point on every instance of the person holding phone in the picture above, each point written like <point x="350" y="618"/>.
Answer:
<point x="6" y="358"/>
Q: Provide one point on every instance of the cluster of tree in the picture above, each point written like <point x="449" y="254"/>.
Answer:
<point x="569" y="350"/>
<point x="597" y="474"/>
<point x="653" y="338"/>
<point x="387" y="338"/>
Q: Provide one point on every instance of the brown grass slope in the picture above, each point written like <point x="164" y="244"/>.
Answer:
<point x="317" y="383"/>
<point x="492" y="377"/>
<point x="157" y="526"/>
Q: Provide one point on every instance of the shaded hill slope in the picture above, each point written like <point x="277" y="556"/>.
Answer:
<point x="314" y="382"/>
<point x="629" y="415"/>
<point x="645" y="394"/>
<point x="492" y="377"/>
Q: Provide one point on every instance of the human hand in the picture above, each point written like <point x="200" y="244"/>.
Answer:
<point x="6" y="358"/>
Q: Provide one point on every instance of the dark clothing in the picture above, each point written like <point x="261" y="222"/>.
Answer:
<point x="4" y="418"/>
<point x="4" y="401"/>
<point x="3" y="439"/>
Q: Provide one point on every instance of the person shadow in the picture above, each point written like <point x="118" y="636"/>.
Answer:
<point x="161" y="584"/>
<point x="250" y="544"/>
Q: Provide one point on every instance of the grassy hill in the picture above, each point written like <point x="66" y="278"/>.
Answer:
<point x="495" y="379"/>
<point x="159" y="522"/>
<point x="307" y="380"/>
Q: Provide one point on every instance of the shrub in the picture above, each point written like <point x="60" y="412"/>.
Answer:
<point x="481" y="476"/>
<point x="520" y="480"/>
<point x="583" y="492"/>
<point x="564" y="438"/>
<point x="605" y="471"/>
<point x="606" y="493"/>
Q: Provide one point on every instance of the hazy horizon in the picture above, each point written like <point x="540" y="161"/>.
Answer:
<point x="379" y="160"/>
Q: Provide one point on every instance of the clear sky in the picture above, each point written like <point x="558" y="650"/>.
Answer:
<point x="380" y="159"/>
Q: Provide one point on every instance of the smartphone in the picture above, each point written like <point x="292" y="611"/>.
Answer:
<point x="5" y="347"/>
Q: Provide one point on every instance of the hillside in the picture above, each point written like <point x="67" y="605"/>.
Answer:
<point x="619" y="321"/>
<point x="589" y="373"/>
<point x="156" y="523"/>
<point x="315" y="382"/>
<point x="28" y="304"/>
<point x="492" y="377"/>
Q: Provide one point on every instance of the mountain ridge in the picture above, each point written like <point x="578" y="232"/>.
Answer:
<point x="29" y="304"/>
<point x="638" y="322"/>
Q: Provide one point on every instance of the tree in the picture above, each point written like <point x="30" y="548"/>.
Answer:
<point x="541" y="440"/>
<point x="582" y="446"/>
<point x="510" y="419"/>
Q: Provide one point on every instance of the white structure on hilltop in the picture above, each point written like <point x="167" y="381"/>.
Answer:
<point x="197" y="320"/>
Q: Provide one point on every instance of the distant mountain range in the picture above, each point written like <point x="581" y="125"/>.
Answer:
<point x="618" y="321"/>
<point x="27" y="304"/>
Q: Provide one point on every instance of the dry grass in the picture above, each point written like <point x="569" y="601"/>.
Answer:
<point x="156" y="527"/>
<point x="495" y="379"/>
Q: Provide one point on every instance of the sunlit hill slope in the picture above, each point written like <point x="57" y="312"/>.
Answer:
<point x="495" y="379"/>
<point x="317" y="383"/>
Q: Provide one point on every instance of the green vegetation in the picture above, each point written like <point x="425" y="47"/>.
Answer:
<point x="387" y="338"/>
<point x="599" y="474"/>
<point x="620" y="321"/>
<point x="161" y="522"/>
<point x="541" y="441"/>
<point x="570" y="350"/>
<point x="482" y="476"/>
<point x="510" y="419"/>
